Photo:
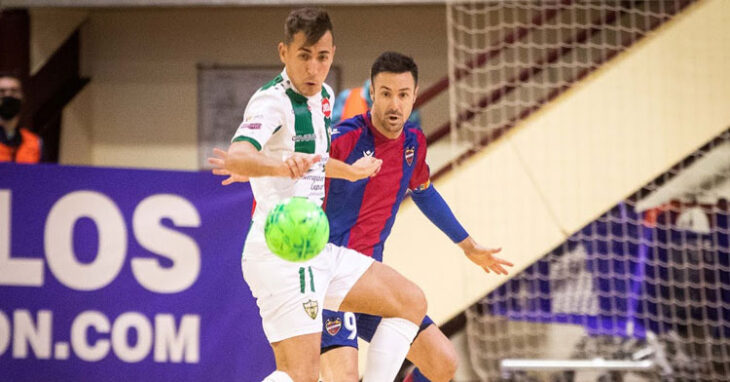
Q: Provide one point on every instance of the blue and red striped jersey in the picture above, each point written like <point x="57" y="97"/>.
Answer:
<point x="362" y="213"/>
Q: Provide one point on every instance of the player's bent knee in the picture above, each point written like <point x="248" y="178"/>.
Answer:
<point x="414" y="300"/>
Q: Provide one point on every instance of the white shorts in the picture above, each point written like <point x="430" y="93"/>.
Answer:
<point x="291" y="295"/>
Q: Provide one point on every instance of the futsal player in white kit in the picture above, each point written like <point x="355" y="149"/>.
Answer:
<point x="282" y="146"/>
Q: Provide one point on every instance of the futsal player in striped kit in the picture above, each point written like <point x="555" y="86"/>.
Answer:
<point x="362" y="213"/>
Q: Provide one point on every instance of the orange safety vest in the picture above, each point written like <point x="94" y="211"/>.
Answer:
<point x="355" y="104"/>
<point x="29" y="150"/>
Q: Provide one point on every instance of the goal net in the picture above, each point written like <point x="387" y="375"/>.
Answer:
<point x="649" y="278"/>
<point x="508" y="58"/>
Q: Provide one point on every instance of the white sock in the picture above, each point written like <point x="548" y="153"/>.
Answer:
<point x="388" y="349"/>
<point x="278" y="376"/>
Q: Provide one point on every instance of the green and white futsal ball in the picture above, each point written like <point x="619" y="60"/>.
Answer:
<point x="296" y="229"/>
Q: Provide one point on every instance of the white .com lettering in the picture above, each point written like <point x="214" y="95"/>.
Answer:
<point x="24" y="336"/>
<point x="147" y="228"/>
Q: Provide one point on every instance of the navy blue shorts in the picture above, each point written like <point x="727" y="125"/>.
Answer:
<point x="342" y="329"/>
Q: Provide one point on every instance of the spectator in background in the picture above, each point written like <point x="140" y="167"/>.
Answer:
<point x="17" y="144"/>
<point x="356" y="101"/>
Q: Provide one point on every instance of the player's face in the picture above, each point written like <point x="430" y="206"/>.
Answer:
<point x="307" y="65"/>
<point x="10" y="87"/>
<point x="393" y="96"/>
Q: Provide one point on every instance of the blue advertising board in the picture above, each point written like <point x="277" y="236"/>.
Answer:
<point x="125" y="275"/>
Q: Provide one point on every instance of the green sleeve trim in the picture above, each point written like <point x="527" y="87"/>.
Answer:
<point x="250" y="140"/>
<point x="278" y="79"/>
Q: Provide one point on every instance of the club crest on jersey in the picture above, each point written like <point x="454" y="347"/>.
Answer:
<point x="410" y="152"/>
<point x="326" y="109"/>
<point x="367" y="153"/>
<point x="333" y="325"/>
<point x="312" y="308"/>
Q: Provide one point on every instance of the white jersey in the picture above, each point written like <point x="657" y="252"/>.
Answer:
<point x="291" y="295"/>
<point x="279" y="121"/>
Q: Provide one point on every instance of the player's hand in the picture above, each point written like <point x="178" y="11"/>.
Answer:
<point x="219" y="168"/>
<point x="366" y="166"/>
<point x="299" y="163"/>
<point x="484" y="257"/>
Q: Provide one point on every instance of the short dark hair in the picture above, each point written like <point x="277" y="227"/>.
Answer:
<point x="11" y="74"/>
<point x="394" y="62"/>
<point x="314" y="22"/>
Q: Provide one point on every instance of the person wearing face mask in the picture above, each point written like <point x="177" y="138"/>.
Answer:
<point x="17" y="144"/>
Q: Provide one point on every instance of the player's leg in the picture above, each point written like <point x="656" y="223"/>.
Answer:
<point x="431" y="350"/>
<point x="383" y="291"/>
<point x="298" y="357"/>
<point x="294" y="363"/>
<point x="434" y="356"/>
<point x="340" y="365"/>
<point x="290" y="297"/>
<point x="338" y="362"/>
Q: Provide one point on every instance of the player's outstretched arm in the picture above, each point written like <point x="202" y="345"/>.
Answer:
<point x="244" y="161"/>
<point x="484" y="257"/>
<point x="430" y="202"/>
<point x="218" y="161"/>
<point x="361" y="169"/>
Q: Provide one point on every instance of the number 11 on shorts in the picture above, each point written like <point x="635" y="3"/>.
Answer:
<point x="303" y="280"/>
